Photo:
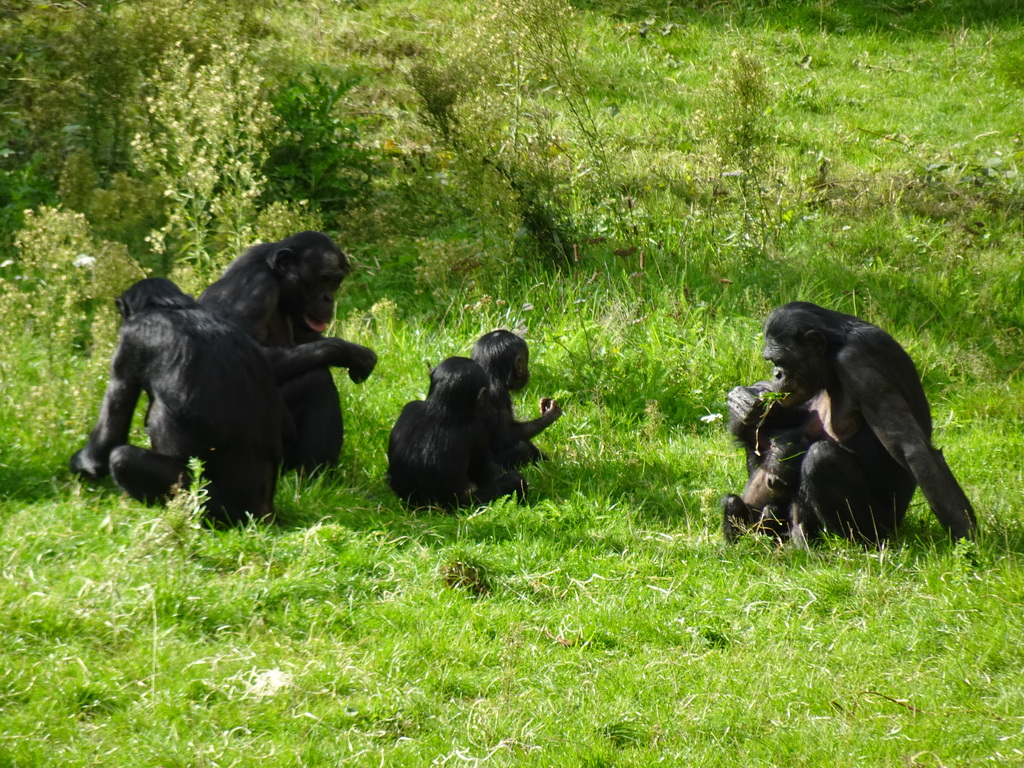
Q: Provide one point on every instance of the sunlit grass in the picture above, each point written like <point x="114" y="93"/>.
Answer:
<point x="604" y="622"/>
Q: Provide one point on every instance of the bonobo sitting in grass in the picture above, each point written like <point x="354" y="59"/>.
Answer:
<point x="506" y="360"/>
<point x="857" y="399"/>
<point x="282" y="295"/>
<point x="438" y="452"/>
<point x="212" y="395"/>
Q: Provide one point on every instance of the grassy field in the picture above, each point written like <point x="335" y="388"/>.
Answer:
<point x="632" y="186"/>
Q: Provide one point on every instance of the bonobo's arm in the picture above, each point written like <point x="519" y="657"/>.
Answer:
<point x="746" y="410"/>
<point x="289" y="362"/>
<point x="115" y="418"/>
<point x="749" y="414"/>
<point x="550" y="412"/>
<point x="885" y="409"/>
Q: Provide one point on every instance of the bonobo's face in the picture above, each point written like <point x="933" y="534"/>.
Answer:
<point x="795" y="343"/>
<point x="799" y="368"/>
<point x="320" y="277"/>
<point x="313" y="271"/>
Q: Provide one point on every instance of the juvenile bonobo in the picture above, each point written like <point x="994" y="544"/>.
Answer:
<point x="438" y="452"/>
<point x="282" y="294"/>
<point x="505" y="358"/>
<point x="775" y="447"/>
<point x="212" y="395"/>
<point x="869" y="425"/>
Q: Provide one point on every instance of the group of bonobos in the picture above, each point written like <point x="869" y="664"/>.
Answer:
<point x="836" y="442"/>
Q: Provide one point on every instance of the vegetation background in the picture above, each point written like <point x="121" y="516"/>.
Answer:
<point x="630" y="184"/>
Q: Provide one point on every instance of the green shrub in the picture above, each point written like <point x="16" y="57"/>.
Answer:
<point x="62" y="286"/>
<point x="125" y="210"/>
<point x="280" y="220"/>
<point x="318" y="156"/>
<point x="738" y="116"/>
<point x="205" y="142"/>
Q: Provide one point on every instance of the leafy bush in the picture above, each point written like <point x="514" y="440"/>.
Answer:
<point x="280" y="220"/>
<point x="317" y="157"/>
<point x="71" y="76"/>
<point x="738" y="117"/>
<point x="205" y="142"/>
<point x="62" y="286"/>
<point x="125" y="209"/>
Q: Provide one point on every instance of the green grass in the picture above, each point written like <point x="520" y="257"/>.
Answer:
<point x="603" y="623"/>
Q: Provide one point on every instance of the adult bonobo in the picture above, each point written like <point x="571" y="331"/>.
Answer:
<point x="855" y="395"/>
<point x="505" y="358"/>
<point x="439" y="452"/>
<point x="212" y="395"/>
<point x="282" y="294"/>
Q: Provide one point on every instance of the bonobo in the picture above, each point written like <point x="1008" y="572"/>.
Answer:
<point x="282" y="294"/>
<point x="212" y="395"/>
<point x="775" y="447"/>
<point x="438" y="452"/>
<point x="866" y="416"/>
<point x="505" y="358"/>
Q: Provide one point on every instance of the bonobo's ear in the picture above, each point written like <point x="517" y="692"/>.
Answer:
<point x="816" y="341"/>
<point x="282" y="260"/>
<point x="122" y="307"/>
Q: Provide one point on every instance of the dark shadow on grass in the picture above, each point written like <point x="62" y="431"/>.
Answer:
<point x="302" y="503"/>
<point x="649" y="486"/>
<point x="564" y="515"/>
<point x="921" y="529"/>
<point x="554" y="512"/>
<point x="24" y="482"/>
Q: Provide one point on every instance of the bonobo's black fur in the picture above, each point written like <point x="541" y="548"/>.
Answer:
<point x="282" y="294"/>
<point x="438" y="452"/>
<point x="212" y="395"/>
<point x="860" y="403"/>
<point x="505" y="358"/>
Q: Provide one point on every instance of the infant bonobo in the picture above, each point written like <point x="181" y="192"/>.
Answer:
<point x="774" y="479"/>
<point x="438" y="452"/>
<point x="506" y="360"/>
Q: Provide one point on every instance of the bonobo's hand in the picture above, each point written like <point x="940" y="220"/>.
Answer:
<point x="550" y="408"/>
<point x="745" y="403"/>
<point x="362" y="362"/>
<point x="86" y="464"/>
